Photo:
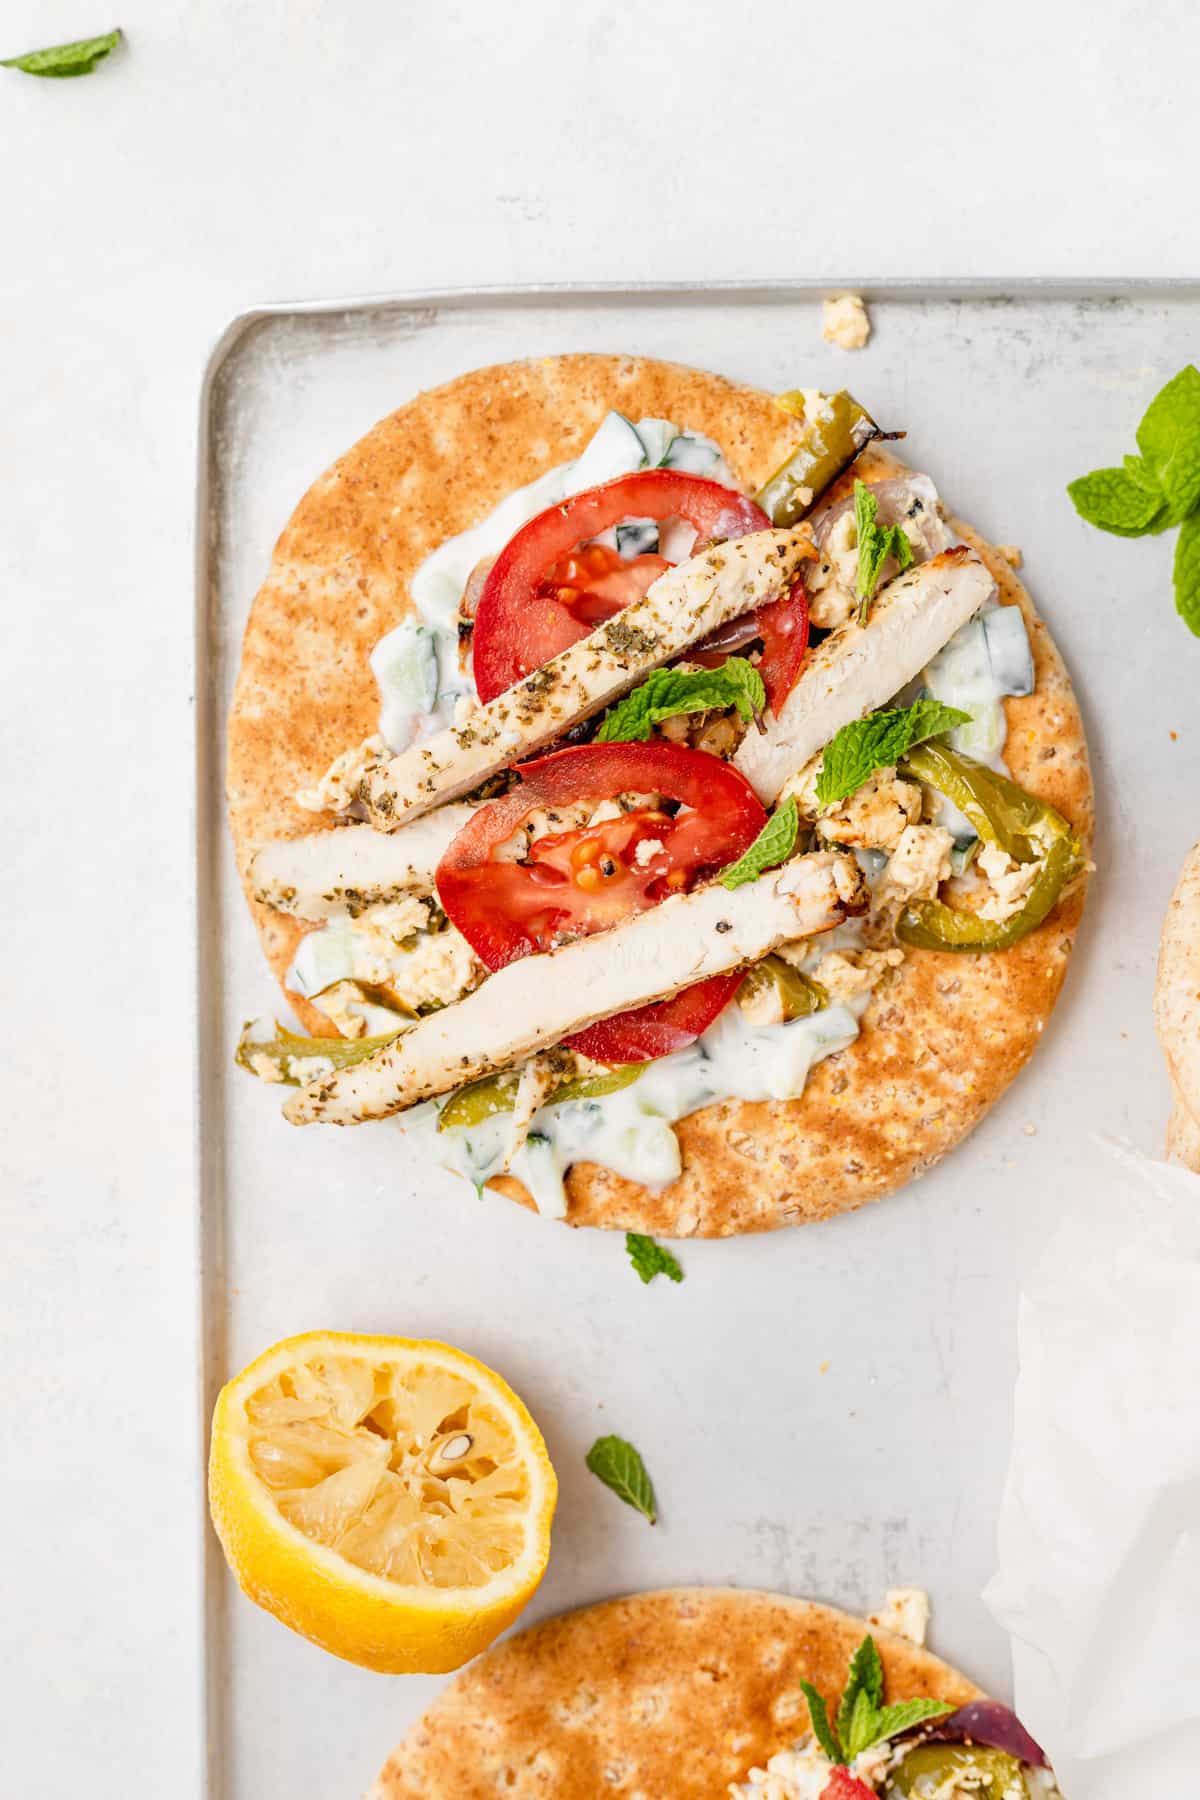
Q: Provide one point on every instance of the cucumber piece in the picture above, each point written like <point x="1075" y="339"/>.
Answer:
<point x="637" y="537"/>
<point x="615" y="450"/>
<point x="657" y="436"/>
<point x="1008" y="649"/>
<point x="405" y="666"/>
<point x="963" y="853"/>
<point x="695" y="455"/>
<point x="323" y="957"/>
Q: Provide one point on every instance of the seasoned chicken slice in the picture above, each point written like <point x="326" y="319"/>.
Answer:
<point x="536" y="1002"/>
<point x="860" y="667"/>
<point x="682" y="606"/>
<point x="326" y="873"/>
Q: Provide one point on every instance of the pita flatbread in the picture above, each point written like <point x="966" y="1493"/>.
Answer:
<point x="939" y="1044"/>
<point x="672" y="1694"/>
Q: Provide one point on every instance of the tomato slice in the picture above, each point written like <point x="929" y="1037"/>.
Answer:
<point x="522" y="620"/>
<point x="783" y="627"/>
<point x="842" y="1785"/>
<point x="699" y="815"/>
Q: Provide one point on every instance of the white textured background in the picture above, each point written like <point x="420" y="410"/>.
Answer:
<point x="234" y="153"/>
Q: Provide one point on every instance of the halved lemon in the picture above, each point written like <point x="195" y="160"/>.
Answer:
<point x="388" y="1498"/>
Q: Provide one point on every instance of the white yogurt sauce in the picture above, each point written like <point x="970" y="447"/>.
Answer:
<point x="417" y="666"/>
<point x="985" y="661"/>
<point x="630" y="1131"/>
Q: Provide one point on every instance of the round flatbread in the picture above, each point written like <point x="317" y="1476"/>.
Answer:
<point x="673" y="1693"/>
<point x="939" y="1043"/>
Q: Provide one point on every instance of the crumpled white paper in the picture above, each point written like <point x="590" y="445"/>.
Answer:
<point x="1099" y="1536"/>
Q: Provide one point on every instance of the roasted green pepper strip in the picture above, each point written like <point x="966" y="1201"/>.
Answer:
<point x="1023" y="826"/>
<point x="286" y="1048"/>
<point x="799" y="996"/>
<point x="498" y="1094"/>
<point x="1001" y="812"/>
<point x="830" y="443"/>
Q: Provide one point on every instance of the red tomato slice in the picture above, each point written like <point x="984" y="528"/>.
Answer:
<point x="783" y="627"/>
<point x="521" y="621"/>
<point x="842" y="1785"/>
<point x="586" y="879"/>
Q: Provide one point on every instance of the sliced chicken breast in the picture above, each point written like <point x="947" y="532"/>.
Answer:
<point x="328" y="873"/>
<point x="685" y="604"/>
<point x="536" y="1002"/>
<point x="860" y="667"/>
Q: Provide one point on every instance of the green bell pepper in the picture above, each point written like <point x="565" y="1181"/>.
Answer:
<point x="830" y="443"/>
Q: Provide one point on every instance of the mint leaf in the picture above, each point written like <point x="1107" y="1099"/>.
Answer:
<point x="892" y="1720"/>
<point x="1137" y="470"/>
<point x="1116" y="501"/>
<point x="877" y="741"/>
<point x="671" y="691"/>
<point x="773" y="845"/>
<point x="1187" y="573"/>
<point x="875" y="544"/>
<point x="1169" y="440"/>
<point x="861" y="1695"/>
<point x="650" y="1258"/>
<point x="618" y="1465"/>
<point x="62" y="60"/>
<point x="823" y="1731"/>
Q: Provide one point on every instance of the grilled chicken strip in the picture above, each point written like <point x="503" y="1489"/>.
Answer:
<point x="536" y="1002"/>
<point x="327" y="873"/>
<point x="859" y="667"/>
<point x="683" y="605"/>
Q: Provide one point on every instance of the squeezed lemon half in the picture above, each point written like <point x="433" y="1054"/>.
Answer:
<point x="388" y="1498"/>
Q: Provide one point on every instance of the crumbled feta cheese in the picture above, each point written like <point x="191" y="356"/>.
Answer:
<point x="847" y="976"/>
<point x="338" y="787"/>
<point x="906" y="1612"/>
<point x="844" y="322"/>
<point x="265" y="1067"/>
<point x="307" y="1068"/>
<point x="799" y="1774"/>
<point x="647" y="850"/>
<point x="920" y="861"/>
<point x="876" y="816"/>
<point x="831" y="581"/>
<point x="1010" y="882"/>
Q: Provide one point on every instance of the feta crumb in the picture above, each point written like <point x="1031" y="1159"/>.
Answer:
<point x="906" y="1612"/>
<point x="1010" y="882"/>
<point x="920" y="861"/>
<point x="844" y="322"/>
<point x="847" y="977"/>
<point x="647" y="850"/>
<point x="265" y="1067"/>
<point x="338" y="787"/>
<point x="876" y="815"/>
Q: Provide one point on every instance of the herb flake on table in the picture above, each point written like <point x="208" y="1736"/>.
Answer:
<point x="62" y="61"/>
<point x="617" y="1464"/>
<point x="650" y="1258"/>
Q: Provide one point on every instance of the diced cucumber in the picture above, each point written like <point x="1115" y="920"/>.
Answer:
<point x="637" y="537"/>
<point x="963" y="853"/>
<point x="405" y="666"/>
<point x="1008" y="649"/>
<point x="657" y="436"/>
<point x="615" y="450"/>
<point x="694" y="455"/>
<point x="323" y="957"/>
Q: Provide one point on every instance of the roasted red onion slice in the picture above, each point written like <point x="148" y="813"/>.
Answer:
<point x="984" y="1722"/>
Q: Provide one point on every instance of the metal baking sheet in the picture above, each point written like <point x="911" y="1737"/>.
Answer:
<point x="824" y="1411"/>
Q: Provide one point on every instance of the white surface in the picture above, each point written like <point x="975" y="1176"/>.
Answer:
<point x="1099" y="1577"/>
<point x="235" y="153"/>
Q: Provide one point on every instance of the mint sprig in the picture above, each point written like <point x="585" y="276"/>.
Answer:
<point x="1158" y="488"/>
<point x="862" y="1718"/>
<point x="875" y="544"/>
<point x="61" y="61"/>
<point x="773" y="845"/>
<point x="876" y="742"/>
<point x="668" y="692"/>
<point x="617" y="1464"/>
<point x="650" y="1258"/>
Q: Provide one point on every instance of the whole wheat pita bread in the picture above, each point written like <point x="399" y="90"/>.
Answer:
<point x="939" y="1043"/>
<point x="671" y="1694"/>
